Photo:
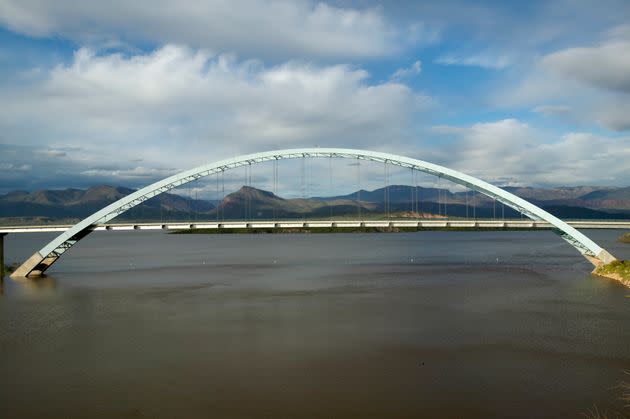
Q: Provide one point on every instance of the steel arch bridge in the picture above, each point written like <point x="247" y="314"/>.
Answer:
<point x="39" y="262"/>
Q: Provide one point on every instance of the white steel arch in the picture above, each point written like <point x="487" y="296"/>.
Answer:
<point x="44" y="258"/>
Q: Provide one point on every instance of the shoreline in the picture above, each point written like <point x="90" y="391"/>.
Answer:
<point x="618" y="270"/>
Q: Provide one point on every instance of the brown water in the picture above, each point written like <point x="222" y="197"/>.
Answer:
<point x="431" y="324"/>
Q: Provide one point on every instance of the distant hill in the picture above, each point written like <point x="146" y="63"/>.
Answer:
<point x="606" y="199"/>
<point x="561" y="193"/>
<point x="397" y="193"/>
<point x="250" y="203"/>
<point x="616" y="199"/>
<point x="254" y="203"/>
<point x="77" y="203"/>
<point x="618" y="194"/>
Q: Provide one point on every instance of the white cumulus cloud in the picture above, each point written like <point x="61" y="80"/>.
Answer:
<point x="605" y="66"/>
<point x="595" y="80"/>
<point x="180" y="106"/>
<point x="259" y="28"/>
<point x="510" y="151"/>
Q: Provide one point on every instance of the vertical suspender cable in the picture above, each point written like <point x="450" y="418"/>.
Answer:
<point x="141" y="211"/>
<point x="416" y="199"/>
<point x="161" y="208"/>
<point x="418" y="196"/>
<point x="442" y="210"/>
<point x="248" y="171"/>
<point x="309" y="178"/>
<point x="389" y="198"/>
<point x="302" y="187"/>
<point x="359" y="188"/>
<point x="189" y="203"/>
<point x="413" y="201"/>
<point x="417" y="193"/>
<point x="446" y="192"/>
<point x="385" y="188"/>
<point x="275" y="185"/>
<point x="216" y="197"/>
<point x="330" y="184"/>
<point x="302" y="175"/>
<point x="244" y="209"/>
<point x="306" y="163"/>
<point x="466" y="203"/>
<point x="439" y="183"/>
<point x="443" y="200"/>
<point x="386" y="191"/>
<point x="222" y="194"/>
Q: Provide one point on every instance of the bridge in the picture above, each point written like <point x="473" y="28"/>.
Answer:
<point x="41" y="260"/>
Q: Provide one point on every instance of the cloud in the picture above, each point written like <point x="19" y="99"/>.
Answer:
<point x="512" y="152"/>
<point x="606" y="66"/>
<point x="614" y="115"/>
<point x="124" y="175"/>
<point x="260" y="28"/>
<point x="446" y="129"/>
<point x="619" y="32"/>
<point x="403" y="73"/>
<point x="517" y="27"/>
<point x="24" y="167"/>
<point x="482" y="59"/>
<point x="552" y="109"/>
<point x="594" y="79"/>
<point x="179" y="107"/>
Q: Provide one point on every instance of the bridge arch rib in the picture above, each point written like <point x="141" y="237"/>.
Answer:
<point x="45" y="257"/>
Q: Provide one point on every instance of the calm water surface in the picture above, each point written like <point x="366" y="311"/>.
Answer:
<point x="430" y="324"/>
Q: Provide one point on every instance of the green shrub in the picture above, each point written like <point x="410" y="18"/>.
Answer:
<point x="619" y="267"/>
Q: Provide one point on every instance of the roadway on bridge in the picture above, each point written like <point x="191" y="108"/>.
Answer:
<point x="289" y="224"/>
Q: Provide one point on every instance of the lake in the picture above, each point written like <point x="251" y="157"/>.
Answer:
<point x="429" y="324"/>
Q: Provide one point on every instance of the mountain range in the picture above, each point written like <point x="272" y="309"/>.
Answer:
<point x="68" y="205"/>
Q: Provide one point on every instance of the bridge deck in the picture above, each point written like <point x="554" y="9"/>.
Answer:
<point x="477" y="224"/>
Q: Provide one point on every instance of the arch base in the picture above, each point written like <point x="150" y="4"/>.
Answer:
<point x="34" y="266"/>
<point x="602" y="258"/>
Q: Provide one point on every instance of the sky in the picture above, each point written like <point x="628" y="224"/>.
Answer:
<point x="125" y="93"/>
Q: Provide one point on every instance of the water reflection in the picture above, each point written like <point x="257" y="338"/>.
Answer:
<point x="44" y="286"/>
